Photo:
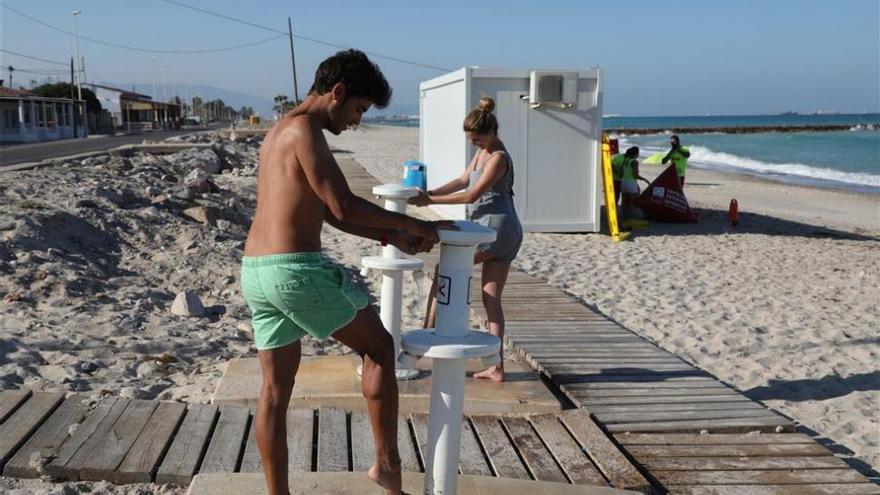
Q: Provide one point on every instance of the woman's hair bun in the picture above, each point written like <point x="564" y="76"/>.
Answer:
<point x="487" y="104"/>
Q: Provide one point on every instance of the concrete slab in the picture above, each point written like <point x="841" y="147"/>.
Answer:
<point x="359" y="484"/>
<point x="332" y="381"/>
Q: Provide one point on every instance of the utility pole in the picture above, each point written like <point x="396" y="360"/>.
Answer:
<point x="155" y="95"/>
<point x="72" y="100"/>
<point x="292" y="62"/>
<point x="11" y="70"/>
<point x="75" y="15"/>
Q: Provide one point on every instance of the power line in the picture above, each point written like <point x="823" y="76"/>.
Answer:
<point x="144" y="50"/>
<point x="228" y="18"/>
<point x="31" y="57"/>
<point x="313" y="40"/>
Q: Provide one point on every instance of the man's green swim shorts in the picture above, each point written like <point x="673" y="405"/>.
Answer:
<point x="291" y="295"/>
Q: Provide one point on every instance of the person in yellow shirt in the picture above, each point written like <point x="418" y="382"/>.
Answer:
<point x="679" y="156"/>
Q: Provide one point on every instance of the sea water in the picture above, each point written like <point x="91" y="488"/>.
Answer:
<point x="846" y="159"/>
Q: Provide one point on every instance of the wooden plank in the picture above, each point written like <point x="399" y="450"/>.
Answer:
<point x="575" y="379"/>
<point x="10" y="400"/>
<point x="189" y="445"/>
<point x="227" y="441"/>
<point x="613" y="464"/>
<point x="409" y="461"/>
<point x="591" y="402"/>
<point x="107" y="454"/>
<point x="300" y="438"/>
<point x="333" y="445"/>
<point x="48" y="438"/>
<point x="142" y="460"/>
<point x="472" y="461"/>
<point x="742" y="463"/>
<point x="622" y="369"/>
<point x="501" y="455"/>
<point x="573" y="461"/>
<point x="776" y="424"/>
<point x="612" y="362"/>
<point x="363" y="447"/>
<point x="24" y="421"/>
<point x="659" y="394"/>
<point x="659" y="416"/>
<point x="741" y="404"/>
<point x="250" y="460"/>
<point x="583" y="341"/>
<point x="757" y="477"/>
<point x="811" y="489"/>
<point x="715" y="438"/>
<point x="676" y="383"/>
<point x="420" y="429"/>
<point x="77" y="449"/>
<point x="712" y="450"/>
<point x="537" y="458"/>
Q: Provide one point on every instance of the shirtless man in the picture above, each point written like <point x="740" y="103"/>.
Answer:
<point x="292" y="290"/>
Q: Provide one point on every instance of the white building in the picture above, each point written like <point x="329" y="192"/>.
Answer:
<point x="551" y="124"/>
<point x="135" y="112"/>
<point x="27" y="118"/>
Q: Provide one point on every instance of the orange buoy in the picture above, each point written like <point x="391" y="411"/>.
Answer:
<point x="733" y="213"/>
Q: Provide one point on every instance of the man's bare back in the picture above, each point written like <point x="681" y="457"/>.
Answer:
<point x="289" y="214"/>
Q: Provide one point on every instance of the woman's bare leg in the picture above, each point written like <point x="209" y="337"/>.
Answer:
<point x="494" y="277"/>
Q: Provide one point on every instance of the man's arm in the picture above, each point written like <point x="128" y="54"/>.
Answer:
<point x="407" y="243"/>
<point x="684" y="151"/>
<point x="328" y="182"/>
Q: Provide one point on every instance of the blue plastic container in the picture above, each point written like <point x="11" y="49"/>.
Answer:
<point x="415" y="174"/>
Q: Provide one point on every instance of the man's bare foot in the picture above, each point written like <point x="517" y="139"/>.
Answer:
<point x="387" y="476"/>
<point x="494" y="373"/>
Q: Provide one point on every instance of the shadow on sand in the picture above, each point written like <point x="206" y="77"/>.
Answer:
<point x="715" y="222"/>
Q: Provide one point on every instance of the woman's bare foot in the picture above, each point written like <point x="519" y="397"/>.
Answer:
<point x="387" y="476"/>
<point x="494" y="373"/>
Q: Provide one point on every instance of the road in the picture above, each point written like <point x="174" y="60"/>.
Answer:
<point x="35" y="152"/>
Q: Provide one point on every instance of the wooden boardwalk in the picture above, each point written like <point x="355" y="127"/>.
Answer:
<point x="140" y="441"/>
<point x="684" y="428"/>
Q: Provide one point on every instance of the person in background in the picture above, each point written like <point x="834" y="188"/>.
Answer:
<point x="617" y="164"/>
<point x="486" y="187"/>
<point x="629" y="176"/>
<point x="679" y="156"/>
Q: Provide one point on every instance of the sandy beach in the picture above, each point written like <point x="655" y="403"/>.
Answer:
<point x="784" y="308"/>
<point x="94" y="253"/>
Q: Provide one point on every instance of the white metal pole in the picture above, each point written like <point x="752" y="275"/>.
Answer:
<point x="444" y="426"/>
<point x="450" y="345"/>
<point x="76" y="14"/>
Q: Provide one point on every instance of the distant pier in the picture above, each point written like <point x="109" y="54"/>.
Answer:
<point x="740" y="129"/>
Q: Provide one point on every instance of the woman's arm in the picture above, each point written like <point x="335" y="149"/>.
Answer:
<point x="492" y="171"/>
<point x="458" y="183"/>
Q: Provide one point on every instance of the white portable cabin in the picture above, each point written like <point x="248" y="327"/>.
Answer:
<point x="551" y="124"/>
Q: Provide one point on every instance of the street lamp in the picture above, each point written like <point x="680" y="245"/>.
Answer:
<point x="76" y="14"/>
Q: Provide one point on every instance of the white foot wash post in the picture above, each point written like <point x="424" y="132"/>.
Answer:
<point x="450" y="345"/>
<point x="392" y="264"/>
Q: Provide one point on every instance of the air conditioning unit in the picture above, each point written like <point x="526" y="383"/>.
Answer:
<point x="553" y="88"/>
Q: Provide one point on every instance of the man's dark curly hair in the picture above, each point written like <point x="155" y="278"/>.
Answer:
<point x="360" y="76"/>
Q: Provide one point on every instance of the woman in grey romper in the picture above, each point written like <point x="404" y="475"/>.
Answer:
<point x="486" y="187"/>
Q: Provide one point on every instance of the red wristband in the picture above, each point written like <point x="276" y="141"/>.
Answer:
<point x="383" y="239"/>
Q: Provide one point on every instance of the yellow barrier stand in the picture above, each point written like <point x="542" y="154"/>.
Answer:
<point x="610" y="202"/>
